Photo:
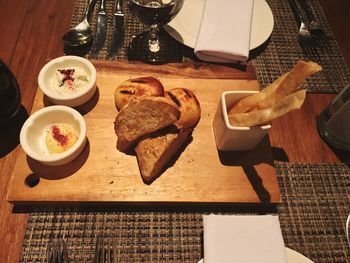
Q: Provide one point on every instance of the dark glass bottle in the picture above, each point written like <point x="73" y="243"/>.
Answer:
<point x="10" y="99"/>
<point x="333" y="123"/>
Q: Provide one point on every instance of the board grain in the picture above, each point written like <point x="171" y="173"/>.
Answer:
<point x="199" y="174"/>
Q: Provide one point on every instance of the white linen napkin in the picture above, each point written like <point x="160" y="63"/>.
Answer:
<point x="224" y="34"/>
<point x="244" y="239"/>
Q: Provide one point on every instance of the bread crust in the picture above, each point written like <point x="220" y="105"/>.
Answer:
<point x="149" y="86"/>
<point x="189" y="107"/>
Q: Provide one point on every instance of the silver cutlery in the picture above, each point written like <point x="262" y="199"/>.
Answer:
<point x="118" y="32"/>
<point x="305" y="39"/>
<point x="348" y="229"/>
<point x="104" y="251"/>
<point x="101" y="30"/>
<point x="315" y="27"/>
<point x="57" y="252"/>
<point x="81" y="34"/>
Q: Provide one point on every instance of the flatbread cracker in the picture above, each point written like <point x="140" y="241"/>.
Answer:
<point x="259" y="117"/>
<point x="281" y="87"/>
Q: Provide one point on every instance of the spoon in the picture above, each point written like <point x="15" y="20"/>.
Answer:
<point x="81" y="34"/>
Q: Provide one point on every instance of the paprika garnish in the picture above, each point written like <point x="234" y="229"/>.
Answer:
<point x="62" y="139"/>
<point x="67" y="76"/>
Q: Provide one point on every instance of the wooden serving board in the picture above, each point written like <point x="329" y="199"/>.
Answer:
<point x="199" y="174"/>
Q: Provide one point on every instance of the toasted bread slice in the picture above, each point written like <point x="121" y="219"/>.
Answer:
<point x="149" y="86"/>
<point x="143" y="115"/>
<point x="189" y="106"/>
<point x="155" y="152"/>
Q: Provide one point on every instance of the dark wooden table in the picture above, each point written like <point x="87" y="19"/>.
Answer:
<point x="31" y="33"/>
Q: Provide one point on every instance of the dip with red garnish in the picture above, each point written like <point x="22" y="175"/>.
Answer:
<point x="54" y="135"/>
<point x="69" y="80"/>
<point x="60" y="137"/>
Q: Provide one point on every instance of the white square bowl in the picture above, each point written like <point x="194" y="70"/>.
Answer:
<point x="233" y="138"/>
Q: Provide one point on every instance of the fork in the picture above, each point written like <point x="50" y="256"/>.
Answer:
<point x="316" y="29"/>
<point x="105" y="252"/>
<point x="304" y="36"/>
<point x="57" y="252"/>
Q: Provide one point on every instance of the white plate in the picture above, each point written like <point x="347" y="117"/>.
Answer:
<point x="292" y="257"/>
<point x="185" y="26"/>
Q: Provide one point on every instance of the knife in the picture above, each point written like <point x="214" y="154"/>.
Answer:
<point x="101" y="28"/>
<point x="118" y="33"/>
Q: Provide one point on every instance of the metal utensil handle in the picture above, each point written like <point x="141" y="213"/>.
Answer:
<point x="90" y="8"/>
<point x="102" y="5"/>
<point x="119" y="8"/>
<point x="296" y="11"/>
<point x="302" y="12"/>
<point x="65" y="252"/>
<point x="308" y="10"/>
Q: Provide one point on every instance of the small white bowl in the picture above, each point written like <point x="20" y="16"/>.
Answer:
<point x="233" y="138"/>
<point x="47" y="75"/>
<point x="32" y="135"/>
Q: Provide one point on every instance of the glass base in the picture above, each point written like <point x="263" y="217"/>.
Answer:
<point x="140" y="49"/>
<point x="329" y="137"/>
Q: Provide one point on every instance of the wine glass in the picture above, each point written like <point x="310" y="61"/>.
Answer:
<point x="151" y="46"/>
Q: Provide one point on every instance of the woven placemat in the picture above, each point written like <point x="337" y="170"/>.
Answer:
<point x="315" y="204"/>
<point x="132" y="27"/>
<point x="283" y="50"/>
<point x="275" y="57"/>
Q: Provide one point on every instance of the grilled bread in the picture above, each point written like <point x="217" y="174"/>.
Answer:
<point x="188" y="104"/>
<point x="157" y="123"/>
<point x="149" y="86"/>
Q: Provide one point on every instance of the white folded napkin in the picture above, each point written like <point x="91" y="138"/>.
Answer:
<point x="243" y="239"/>
<point x="224" y="34"/>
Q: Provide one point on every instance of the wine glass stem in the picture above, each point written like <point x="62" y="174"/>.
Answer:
<point x="153" y="40"/>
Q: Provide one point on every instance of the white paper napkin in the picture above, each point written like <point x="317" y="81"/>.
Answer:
<point x="244" y="239"/>
<point x="224" y="34"/>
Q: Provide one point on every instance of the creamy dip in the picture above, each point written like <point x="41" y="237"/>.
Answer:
<point x="59" y="137"/>
<point x="69" y="80"/>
